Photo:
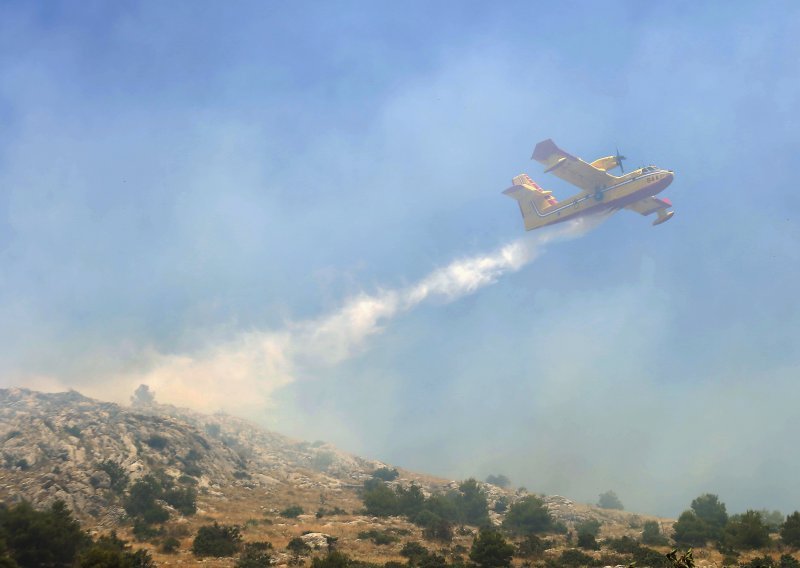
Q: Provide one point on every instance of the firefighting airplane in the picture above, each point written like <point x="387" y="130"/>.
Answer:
<point x="602" y="192"/>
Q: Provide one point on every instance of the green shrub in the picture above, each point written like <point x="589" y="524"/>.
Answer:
<point x="490" y="550"/>
<point x="119" y="477"/>
<point x="183" y="499"/>
<point x="255" y="555"/>
<point x="609" y="500"/>
<point x="141" y="501"/>
<point x="333" y="559"/>
<point x="532" y="546"/>
<point x="651" y="534"/>
<point x="170" y="545"/>
<point x="789" y="561"/>
<point x="746" y="532"/>
<point x="528" y="515"/>
<point x="216" y="540"/>
<point x="292" y="512"/>
<point x="143" y="531"/>
<point x="156" y="442"/>
<point x="385" y="474"/>
<point x="790" y="531"/>
<point x="500" y="480"/>
<point x="298" y="546"/>
<point x="690" y="530"/>
<point x="587" y="541"/>
<point x="378" y="537"/>
<point x="623" y="544"/>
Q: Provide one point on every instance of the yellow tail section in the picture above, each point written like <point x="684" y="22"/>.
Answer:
<point x="533" y="200"/>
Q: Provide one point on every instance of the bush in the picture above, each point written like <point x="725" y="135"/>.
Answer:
<point x="216" y="540"/>
<point x="414" y="552"/>
<point x="644" y="556"/>
<point x="298" y="546"/>
<point x="292" y="512"/>
<point x="490" y="550"/>
<point x="380" y="500"/>
<point x="790" y="531"/>
<point x="255" y="555"/>
<point x="500" y="480"/>
<point x="156" y="442"/>
<point x="333" y="559"/>
<point x="528" y="515"/>
<point x="609" y="500"/>
<point x="651" y="534"/>
<point x="789" y="561"/>
<point x="141" y="501"/>
<point x="378" y="537"/>
<point x="119" y="477"/>
<point x="760" y="562"/>
<point x="623" y="545"/>
<point x="532" y="546"/>
<point x="170" y="545"/>
<point x="183" y="499"/>
<point x="587" y="541"/>
<point x="385" y="474"/>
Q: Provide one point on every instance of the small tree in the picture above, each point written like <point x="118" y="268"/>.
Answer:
<point x="587" y="534"/>
<point x="490" y="550"/>
<point x="528" y="515"/>
<point x="651" y="534"/>
<point x="790" y="531"/>
<point x="711" y="511"/>
<point x="609" y="500"/>
<point x="690" y="530"/>
<point x="472" y="503"/>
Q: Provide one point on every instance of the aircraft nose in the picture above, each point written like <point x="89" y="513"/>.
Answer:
<point x="669" y="177"/>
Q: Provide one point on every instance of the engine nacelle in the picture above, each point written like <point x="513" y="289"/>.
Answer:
<point x="605" y="164"/>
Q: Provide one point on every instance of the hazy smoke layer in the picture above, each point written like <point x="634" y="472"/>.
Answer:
<point x="241" y="374"/>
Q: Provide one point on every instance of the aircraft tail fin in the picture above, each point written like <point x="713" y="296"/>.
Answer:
<point x="533" y="200"/>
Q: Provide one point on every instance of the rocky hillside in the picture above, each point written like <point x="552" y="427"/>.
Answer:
<point x="56" y="446"/>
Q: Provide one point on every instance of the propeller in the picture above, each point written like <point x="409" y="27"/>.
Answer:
<point x="619" y="160"/>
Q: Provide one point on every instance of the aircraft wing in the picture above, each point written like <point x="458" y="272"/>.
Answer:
<point x="570" y="168"/>
<point x="650" y="205"/>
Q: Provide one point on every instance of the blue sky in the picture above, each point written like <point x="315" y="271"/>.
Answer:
<point x="185" y="186"/>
